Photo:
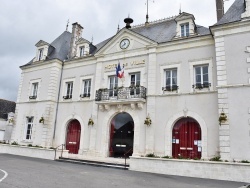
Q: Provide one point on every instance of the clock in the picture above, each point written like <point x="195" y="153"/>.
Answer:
<point x="124" y="43"/>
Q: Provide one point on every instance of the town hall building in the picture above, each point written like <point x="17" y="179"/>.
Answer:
<point x="169" y="88"/>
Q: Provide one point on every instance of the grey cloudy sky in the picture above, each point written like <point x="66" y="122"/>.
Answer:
<point x="24" y="22"/>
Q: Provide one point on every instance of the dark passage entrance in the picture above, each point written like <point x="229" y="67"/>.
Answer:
<point x="121" y="135"/>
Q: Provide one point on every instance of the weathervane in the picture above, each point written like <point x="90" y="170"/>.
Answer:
<point x="146" y="23"/>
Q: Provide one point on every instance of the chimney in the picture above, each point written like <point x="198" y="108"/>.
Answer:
<point x="76" y="34"/>
<point x="219" y="9"/>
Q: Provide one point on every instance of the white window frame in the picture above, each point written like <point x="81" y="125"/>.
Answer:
<point x="34" y="89"/>
<point x="163" y="69"/>
<point x="31" y="89"/>
<point x="82" y="51"/>
<point x="112" y="91"/>
<point x="136" y="78"/>
<point x="65" y="88"/>
<point x="185" y="30"/>
<point x="86" y="88"/>
<point x="81" y="86"/>
<point x="27" y="124"/>
<point x="40" y="54"/>
<point x="171" y="86"/>
<point x="195" y="63"/>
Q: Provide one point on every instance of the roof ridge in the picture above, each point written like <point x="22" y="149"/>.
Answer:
<point x="155" y="21"/>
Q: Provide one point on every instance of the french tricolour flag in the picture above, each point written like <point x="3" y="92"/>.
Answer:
<point x="119" y="71"/>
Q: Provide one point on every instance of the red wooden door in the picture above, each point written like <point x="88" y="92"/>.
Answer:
<point x="73" y="137"/>
<point x="186" y="142"/>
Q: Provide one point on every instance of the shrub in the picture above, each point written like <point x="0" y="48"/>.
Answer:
<point x="151" y="155"/>
<point x="30" y="145"/>
<point x="244" y="161"/>
<point x="216" y="158"/>
<point x="14" y="143"/>
<point x="167" y="157"/>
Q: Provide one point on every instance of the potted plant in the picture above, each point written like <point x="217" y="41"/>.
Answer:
<point x="223" y="117"/>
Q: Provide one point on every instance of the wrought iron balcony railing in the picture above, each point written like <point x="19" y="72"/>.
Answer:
<point x="121" y="93"/>
<point x="170" y="88"/>
<point x="201" y="86"/>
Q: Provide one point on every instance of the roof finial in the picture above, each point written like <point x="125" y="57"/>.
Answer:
<point x="92" y="39"/>
<point x="67" y="25"/>
<point x="180" y="9"/>
<point x="118" y="28"/>
<point x="146" y="23"/>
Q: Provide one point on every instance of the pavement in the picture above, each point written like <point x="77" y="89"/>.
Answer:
<point x="25" y="172"/>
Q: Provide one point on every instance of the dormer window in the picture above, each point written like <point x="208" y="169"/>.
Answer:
<point x="185" y="30"/>
<point x="40" y="54"/>
<point x="185" y="25"/>
<point x="42" y="51"/>
<point x="82" y="53"/>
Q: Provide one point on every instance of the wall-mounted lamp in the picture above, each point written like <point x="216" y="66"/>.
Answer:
<point x="223" y="117"/>
<point x="148" y="121"/>
<point x="91" y="121"/>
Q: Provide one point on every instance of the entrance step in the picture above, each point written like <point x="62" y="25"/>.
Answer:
<point x="94" y="163"/>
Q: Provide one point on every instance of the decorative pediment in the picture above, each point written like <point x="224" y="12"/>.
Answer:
<point x="42" y="43"/>
<point x="125" y="40"/>
<point x="82" y="41"/>
<point x="184" y="16"/>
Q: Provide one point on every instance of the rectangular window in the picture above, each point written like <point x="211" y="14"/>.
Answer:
<point x="171" y="80"/>
<point x="69" y="90"/>
<point x="113" y="84"/>
<point x="86" y="88"/>
<point x="34" y="89"/>
<point x="82" y="51"/>
<point x="201" y="77"/>
<point x="135" y="79"/>
<point x="185" y="30"/>
<point x="29" y="126"/>
<point x="40" y="54"/>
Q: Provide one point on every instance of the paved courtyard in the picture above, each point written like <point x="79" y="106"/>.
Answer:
<point x="24" y="172"/>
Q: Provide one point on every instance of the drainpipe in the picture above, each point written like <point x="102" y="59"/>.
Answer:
<point x="57" y="103"/>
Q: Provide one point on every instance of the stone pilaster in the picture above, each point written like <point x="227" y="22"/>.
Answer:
<point x="224" y="128"/>
<point x="151" y="73"/>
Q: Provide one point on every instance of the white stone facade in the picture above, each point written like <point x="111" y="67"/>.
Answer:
<point x="228" y="76"/>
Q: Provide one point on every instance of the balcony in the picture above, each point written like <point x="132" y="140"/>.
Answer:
<point x="121" y="94"/>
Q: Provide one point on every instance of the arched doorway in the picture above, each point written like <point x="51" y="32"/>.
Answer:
<point x="121" y="135"/>
<point x="73" y="136"/>
<point x="186" y="139"/>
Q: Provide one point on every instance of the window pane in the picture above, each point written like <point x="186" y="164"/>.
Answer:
<point x="182" y="31"/>
<point x="187" y="29"/>
<point x="205" y="69"/>
<point x="197" y="70"/>
<point x="205" y="78"/>
<point x="133" y="79"/>
<point x="198" y="79"/>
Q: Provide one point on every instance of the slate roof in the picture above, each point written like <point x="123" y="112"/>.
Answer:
<point x="164" y="31"/>
<point x="6" y="107"/>
<point x="159" y="32"/>
<point x="58" y="49"/>
<point x="234" y="13"/>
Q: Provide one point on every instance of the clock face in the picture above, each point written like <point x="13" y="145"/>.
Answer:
<point x="124" y="43"/>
